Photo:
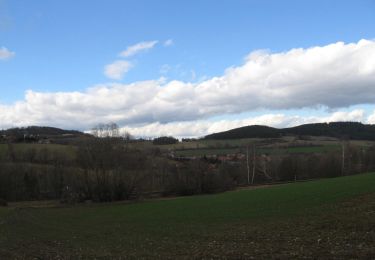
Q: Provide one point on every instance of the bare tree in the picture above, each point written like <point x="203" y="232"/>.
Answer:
<point x="106" y="130"/>
<point x="95" y="131"/>
<point x="344" y="146"/>
<point x="247" y="164"/>
<point x="126" y="135"/>
<point x="113" y="130"/>
<point x="254" y="164"/>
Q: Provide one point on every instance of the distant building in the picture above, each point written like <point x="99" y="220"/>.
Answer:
<point x="44" y="141"/>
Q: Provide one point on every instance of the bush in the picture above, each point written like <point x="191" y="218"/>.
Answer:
<point x="3" y="203"/>
<point x="165" y="140"/>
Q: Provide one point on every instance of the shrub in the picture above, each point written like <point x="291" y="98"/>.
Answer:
<point x="165" y="140"/>
<point x="3" y="203"/>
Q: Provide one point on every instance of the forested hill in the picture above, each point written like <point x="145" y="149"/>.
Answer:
<point x="347" y="130"/>
<point x="39" y="130"/>
<point x="251" y="131"/>
<point x="35" y="133"/>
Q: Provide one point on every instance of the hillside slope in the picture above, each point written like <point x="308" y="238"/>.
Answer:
<point x="345" y="130"/>
<point x="36" y="133"/>
<point x="324" y="219"/>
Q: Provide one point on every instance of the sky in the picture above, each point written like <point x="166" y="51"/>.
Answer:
<point x="186" y="68"/>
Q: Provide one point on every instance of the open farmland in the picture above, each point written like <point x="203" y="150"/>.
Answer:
<point x="266" y="150"/>
<point x="274" y="146"/>
<point x="187" y="130"/>
<point x="21" y="149"/>
<point x="331" y="218"/>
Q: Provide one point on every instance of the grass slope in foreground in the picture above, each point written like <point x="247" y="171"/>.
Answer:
<point x="331" y="218"/>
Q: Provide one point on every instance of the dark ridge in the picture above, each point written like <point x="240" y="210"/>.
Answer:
<point x="34" y="134"/>
<point x="39" y="130"/>
<point x="253" y="131"/>
<point x="344" y="130"/>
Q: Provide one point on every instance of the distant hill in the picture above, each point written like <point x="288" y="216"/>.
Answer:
<point x="253" y="131"/>
<point x="38" y="130"/>
<point x="37" y="133"/>
<point x="348" y="130"/>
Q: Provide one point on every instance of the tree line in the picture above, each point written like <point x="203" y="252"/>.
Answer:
<point x="109" y="169"/>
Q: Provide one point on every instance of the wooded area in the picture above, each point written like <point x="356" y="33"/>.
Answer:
<point x="109" y="169"/>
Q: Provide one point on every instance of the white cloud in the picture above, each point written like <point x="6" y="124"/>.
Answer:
<point x="334" y="76"/>
<point x="135" y="49"/>
<point x="204" y="127"/>
<point x="168" y="42"/>
<point x="117" y="69"/>
<point x="371" y="118"/>
<point x="357" y="115"/>
<point x="6" y="54"/>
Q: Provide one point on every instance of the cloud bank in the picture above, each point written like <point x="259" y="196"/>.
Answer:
<point x="334" y="76"/>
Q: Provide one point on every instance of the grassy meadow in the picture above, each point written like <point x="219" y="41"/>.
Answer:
<point x="331" y="218"/>
<point x="67" y="151"/>
<point x="277" y="146"/>
<point x="271" y="151"/>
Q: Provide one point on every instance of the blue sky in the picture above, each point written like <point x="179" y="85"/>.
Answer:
<point x="65" y="46"/>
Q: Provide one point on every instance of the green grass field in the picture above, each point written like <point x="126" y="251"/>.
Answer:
<point x="313" y="219"/>
<point x="302" y="149"/>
